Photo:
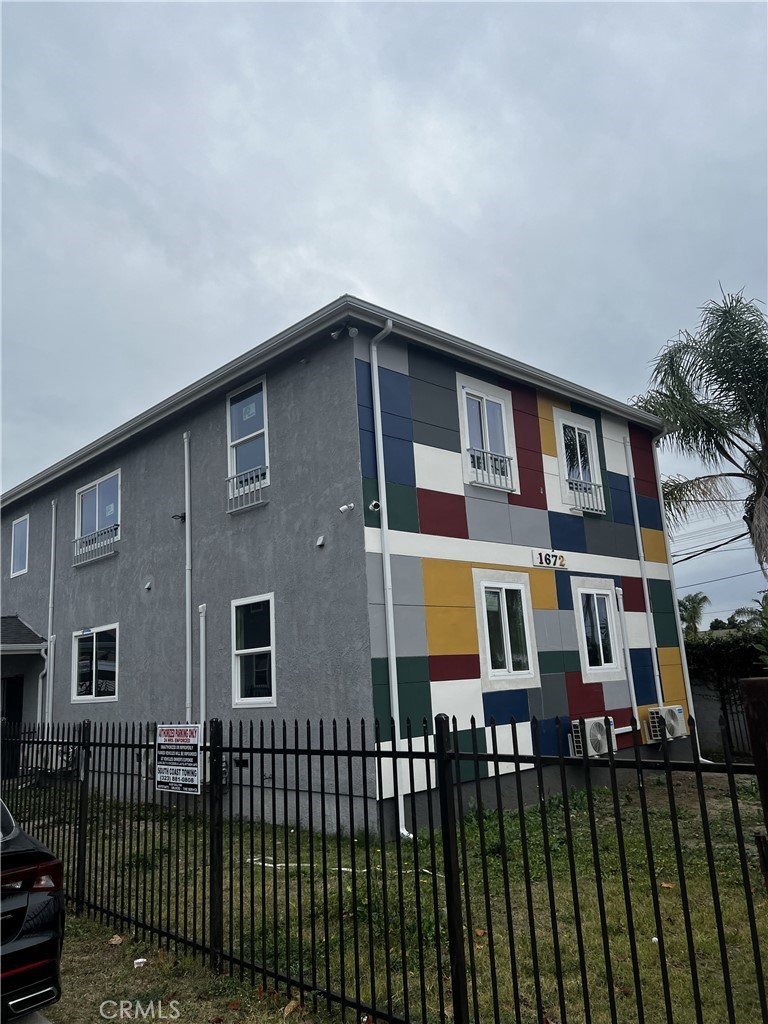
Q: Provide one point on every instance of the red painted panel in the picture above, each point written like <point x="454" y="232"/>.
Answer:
<point x="624" y="741"/>
<point x="634" y="600"/>
<point x="642" y="453"/>
<point x="585" y="700"/>
<point x="527" y="434"/>
<point x="621" y="717"/>
<point x="532" y="493"/>
<point x="444" y="515"/>
<point x="524" y="399"/>
<point x="454" y="666"/>
<point x="529" y="459"/>
<point x="647" y="488"/>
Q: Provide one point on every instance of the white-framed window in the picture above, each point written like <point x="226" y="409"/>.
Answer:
<point x="487" y="434"/>
<point x="94" y="664"/>
<point x="19" y="546"/>
<point x="247" y="437"/>
<point x="598" y="629"/>
<point x="97" y="508"/>
<point x="253" y="651"/>
<point x="580" y="478"/>
<point x="505" y="630"/>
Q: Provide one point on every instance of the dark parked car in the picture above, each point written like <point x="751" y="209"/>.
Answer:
<point x="31" y="921"/>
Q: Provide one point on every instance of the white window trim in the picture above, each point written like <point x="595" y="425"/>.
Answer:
<point x="253" y="702"/>
<point x="79" y="699"/>
<point x="90" y="486"/>
<point x="504" y="397"/>
<point x="494" y="680"/>
<point x="573" y="419"/>
<point x="231" y="469"/>
<point x="19" y="572"/>
<point x="591" y="673"/>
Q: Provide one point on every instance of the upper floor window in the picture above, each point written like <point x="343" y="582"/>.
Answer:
<point x="487" y="434"/>
<point x="98" y="507"/>
<point x="94" y="664"/>
<point x="580" y="477"/>
<point x="597" y="629"/>
<point x="253" y="638"/>
<point x="508" y="657"/>
<point x="248" y="445"/>
<point x="19" y="546"/>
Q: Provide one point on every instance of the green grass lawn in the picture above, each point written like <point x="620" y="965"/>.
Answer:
<point x="373" y="933"/>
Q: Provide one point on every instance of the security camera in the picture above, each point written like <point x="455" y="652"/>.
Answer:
<point x="346" y="508"/>
<point x="375" y="506"/>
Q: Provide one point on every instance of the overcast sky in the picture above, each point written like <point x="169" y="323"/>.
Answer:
<point x="565" y="183"/>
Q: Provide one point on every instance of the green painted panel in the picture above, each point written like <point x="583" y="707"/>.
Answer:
<point x="550" y="661"/>
<point x="665" y="625"/>
<point x="464" y="737"/>
<point x="661" y="597"/>
<point x="571" y="661"/>
<point x="382" y="711"/>
<point x="380" y="671"/>
<point x="370" y="493"/>
<point x="412" y="670"/>
<point x="416" y="704"/>
<point x="402" y="508"/>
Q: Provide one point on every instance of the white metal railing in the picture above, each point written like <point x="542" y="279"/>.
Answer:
<point x="491" y="469"/>
<point x="244" y="489"/>
<point x="587" y="496"/>
<point x="95" y="545"/>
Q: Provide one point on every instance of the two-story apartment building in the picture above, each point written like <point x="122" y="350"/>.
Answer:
<point x="232" y="551"/>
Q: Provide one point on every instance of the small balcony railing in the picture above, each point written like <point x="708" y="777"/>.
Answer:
<point x="491" y="469"/>
<point x="95" y="545"/>
<point x="244" y="489"/>
<point x="587" y="496"/>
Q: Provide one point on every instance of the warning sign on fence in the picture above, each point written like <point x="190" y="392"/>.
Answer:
<point x="177" y="760"/>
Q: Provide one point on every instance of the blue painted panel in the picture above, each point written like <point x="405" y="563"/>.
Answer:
<point x="567" y="532"/>
<point x="649" y="512"/>
<point x="398" y="461"/>
<point x="396" y="426"/>
<point x="548" y="736"/>
<point x="395" y="391"/>
<point x="642" y="671"/>
<point x="617" y="481"/>
<point x="363" y="379"/>
<point x="505" y="705"/>
<point x="368" y="454"/>
<point x="365" y="417"/>
<point x="563" y="587"/>
<point x="621" y="502"/>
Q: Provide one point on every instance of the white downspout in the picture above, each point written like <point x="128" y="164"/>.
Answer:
<point x="386" y="561"/>
<point x="51" y="637"/>
<point x="187" y="583"/>
<point x="643" y="572"/>
<point x="203" y="666"/>
<point x="44" y="653"/>
<point x="683" y="658"/>
<point x="628" y="662"/>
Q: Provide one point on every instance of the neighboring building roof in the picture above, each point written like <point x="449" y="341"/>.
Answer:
<point x="349" y="309"/>
<point x="16" y="634"/>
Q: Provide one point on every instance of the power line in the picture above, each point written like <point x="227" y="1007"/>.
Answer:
<point x="701" y="583"/>
<point x="714" y="547"/>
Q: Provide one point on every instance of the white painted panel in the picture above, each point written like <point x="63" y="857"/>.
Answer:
<point x="637" y="629"/>
<point x="438" y="470"/>
<point x="460" y="697"/>
<point x="504" y="745"/>
<point x="614" y="432"/>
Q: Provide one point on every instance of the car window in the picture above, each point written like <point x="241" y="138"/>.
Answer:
<point x="7" y="824"/>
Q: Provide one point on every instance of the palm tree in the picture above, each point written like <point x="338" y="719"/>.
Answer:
<point x="691" y="610"/>
<point x="711" y="390"/>
<point x="752" y="617"/>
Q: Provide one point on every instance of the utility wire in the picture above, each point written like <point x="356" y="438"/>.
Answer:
<point x="701" y="583"/>
<point x="713" y="548"/>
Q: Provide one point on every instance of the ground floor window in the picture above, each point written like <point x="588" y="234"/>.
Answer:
<point x="508" y="658"/>
<point x="253" y="664"/>
<point x="94" y="664"/>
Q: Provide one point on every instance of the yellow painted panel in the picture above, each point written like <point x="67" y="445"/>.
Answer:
<point x="673" y="684"/>
<point x="669" y="656"/>
<point x="653" y="545"/>
<point x="543" y="589"/>
<point x="547" y="425"/>
<point x="451" y="631"/>
<point x="448" y="583"/>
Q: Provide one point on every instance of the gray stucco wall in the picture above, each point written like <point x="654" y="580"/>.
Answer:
<point x="322" y="647"/>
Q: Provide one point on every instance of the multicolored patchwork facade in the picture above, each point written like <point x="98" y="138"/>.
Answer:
<point x="517" y="584"/>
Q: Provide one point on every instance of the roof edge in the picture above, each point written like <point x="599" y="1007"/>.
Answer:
<point x="275" y="346"/>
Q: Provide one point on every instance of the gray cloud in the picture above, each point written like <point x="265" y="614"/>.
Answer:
<point x="566" y="183"/>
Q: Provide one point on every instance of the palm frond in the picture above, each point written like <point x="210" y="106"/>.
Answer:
<point x="682" y="495"/>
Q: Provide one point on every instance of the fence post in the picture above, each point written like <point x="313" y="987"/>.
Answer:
<point x="82" y="816"/>
<point x="216" y="817"/>
<point x="453" y="902"/>
<point x="754" y="695"/>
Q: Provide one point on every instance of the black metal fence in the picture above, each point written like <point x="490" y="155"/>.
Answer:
<point x="519" y="886"/>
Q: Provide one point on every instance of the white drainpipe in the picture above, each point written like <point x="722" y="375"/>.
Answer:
<point x="386" y="561"/>
<point x="44" y="653"/>
<point x="187" y="583"/>
<point x="203" y="666"/>
<point x="51" y="637"/>
<point x="643" y="572"/>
